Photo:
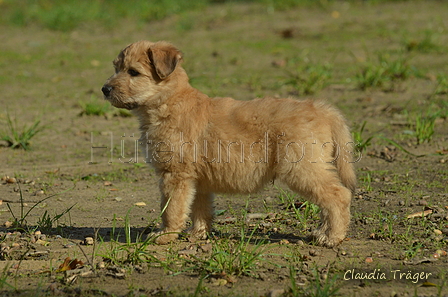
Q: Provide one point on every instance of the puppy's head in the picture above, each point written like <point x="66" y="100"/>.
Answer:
<point x="142" y="70"/>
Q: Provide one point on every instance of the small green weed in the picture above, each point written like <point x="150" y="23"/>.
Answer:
<point x="4" y="278"/>
<point x="304" y="211"/>
<point x="367" y="180"/>
<point x="46" y="222"/>
<point x="232" y="257"/>
<point x="318" y="287"/>
<point x="383" y="72"/>
<point x="94" y="107"/>
<point x="307" y="79"/>
<point x="360" y="143"/>
<point x="129" y="252"/>
<point x="424" y="125"/>
<point x="425" y="45"/>
<point x="19" y="222"/>
<point x="413" y="250"/>
<point x="20" y="138"/>
<point x="442" y="85"/>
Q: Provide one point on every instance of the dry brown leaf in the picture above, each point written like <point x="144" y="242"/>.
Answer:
<point x="420" y="214"/>
<point x="69" y="264"/>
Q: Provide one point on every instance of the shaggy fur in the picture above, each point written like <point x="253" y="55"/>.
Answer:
<point x="201" y="145"/>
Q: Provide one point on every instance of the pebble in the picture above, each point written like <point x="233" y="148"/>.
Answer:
<point x="401" y="203"/>
<point x="422" y="203"/>
<point x="187" y="252"/>
<point x="206" y="247"/>
<point x="140" y="204"/>
<point x="441" y="252"/>
<point x="39" y="193"/>
<point x="437" y="232"/>
<point x="314" y="253"/>
<point x="276" y="292"/>
<point x="11" y="180"/>
<point x="118" y="199"/>
<point x="88" y="241"/>
<point x="369" y="260"/>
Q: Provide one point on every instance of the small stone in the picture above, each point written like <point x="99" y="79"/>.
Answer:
<point x="39" y="193"/>
<point x="220" y="282"/>
<point x="441" y="252"/>
<point x="187" y="252"/>
<point x="369" y="260"/>
<point x="140" y="204"/>
<point x="37" y="232"/>
<point x="88" y="241"/>
<point x="401" y="203"/>
<point x="276" y="292"/>
<point x="206" y="247"/>
<point x="314" y="253"/>
<point x="118" y="199"/>
<point x="422" y="203"/>
<point x="107" y="183"/>
<point x="284" y="242"/>
<point x="8" y="224"/>
<point x="42" y="242"/>
<point x="437" y="232"/>
<point x="11" y="180"/>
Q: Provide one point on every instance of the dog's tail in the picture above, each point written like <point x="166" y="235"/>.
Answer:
<point x="344" y="149"/>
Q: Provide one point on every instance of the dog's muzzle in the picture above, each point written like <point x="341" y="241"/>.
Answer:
<point x="106" y="89"/>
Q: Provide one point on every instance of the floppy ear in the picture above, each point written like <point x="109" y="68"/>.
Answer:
<point x="165" y="57"/>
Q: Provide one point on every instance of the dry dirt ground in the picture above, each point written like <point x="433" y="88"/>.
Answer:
<point x="241" y="51"/>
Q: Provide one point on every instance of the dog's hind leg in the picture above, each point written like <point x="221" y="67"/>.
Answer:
<point x="324" y="188"/>
<point x="202" y="215"/>
<point x="177" y="196"/>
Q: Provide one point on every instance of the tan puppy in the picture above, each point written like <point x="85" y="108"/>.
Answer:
<point x="201" y="145"/>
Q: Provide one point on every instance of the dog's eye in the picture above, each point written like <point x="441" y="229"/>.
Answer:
<point x="133" y="72"/>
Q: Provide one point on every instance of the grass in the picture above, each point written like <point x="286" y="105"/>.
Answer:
<point x="424" y="45"/>
<point x="361" y="143"/>
<point x="95" y="107"/>
<point x="384" y="72"/>
<point x="305" y="212"/>
<point x="233" y="257"/>
<point x="20" y="137"/>
<point x="46" y="221"/>
<point x="67" y="15"/>
<point x="319" y="286"/>
<point x="308" y="78"/>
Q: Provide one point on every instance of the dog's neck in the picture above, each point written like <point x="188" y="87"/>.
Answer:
<point x="176" y="109"/>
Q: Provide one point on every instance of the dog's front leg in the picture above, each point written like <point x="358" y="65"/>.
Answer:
<point x="177" y="196"/>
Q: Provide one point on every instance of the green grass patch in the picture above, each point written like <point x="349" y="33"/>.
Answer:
<point x="19" y="137"/>
<point x="384" y="72"/>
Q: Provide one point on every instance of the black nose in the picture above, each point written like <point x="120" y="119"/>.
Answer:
<point x="106" y="90"/>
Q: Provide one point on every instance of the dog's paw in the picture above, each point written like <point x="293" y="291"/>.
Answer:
<point x="163" y="237"/>
<point x="197" y="234"/>
<point x="321" y="239"/>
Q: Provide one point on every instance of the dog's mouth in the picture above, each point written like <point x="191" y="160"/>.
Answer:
<point x="120" y="104"/>
<point x="114" y="100"/>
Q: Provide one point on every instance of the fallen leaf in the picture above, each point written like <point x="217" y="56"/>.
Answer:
<point x="69" y="264"/>
<point x="420" y="214"/>
<point x="428" y="284"/>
